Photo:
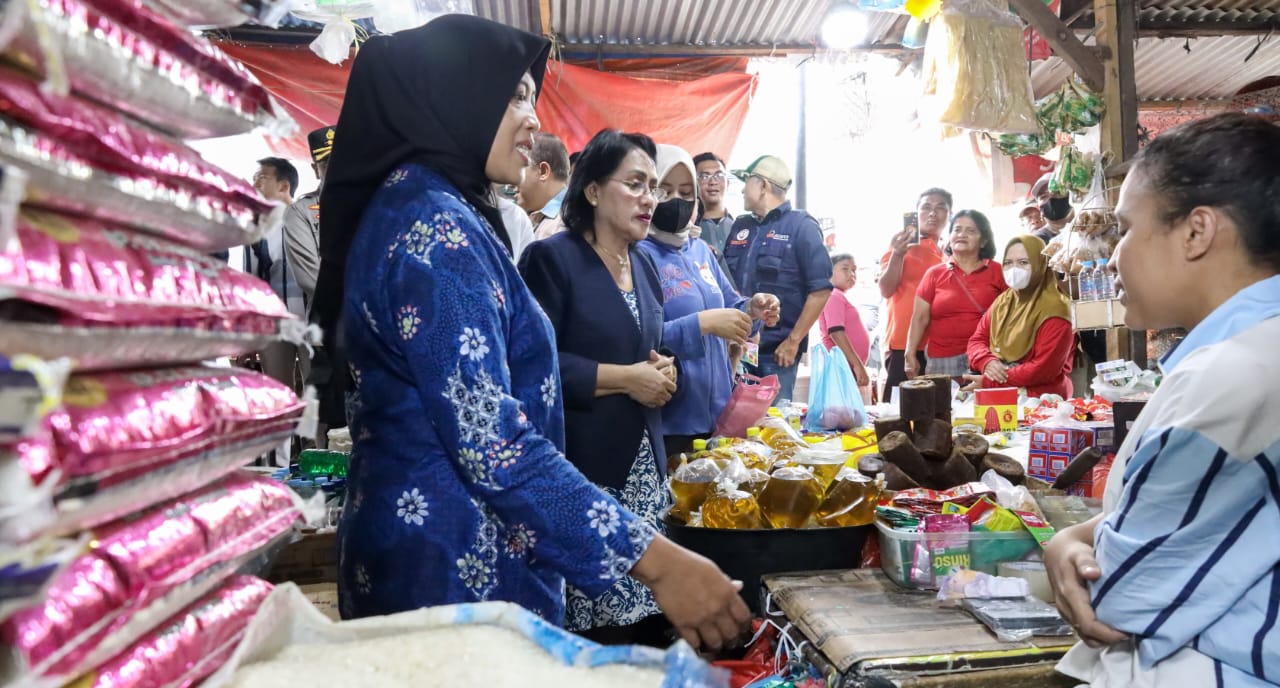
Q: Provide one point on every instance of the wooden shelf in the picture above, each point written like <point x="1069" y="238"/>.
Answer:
<point x="1097" y="315"/>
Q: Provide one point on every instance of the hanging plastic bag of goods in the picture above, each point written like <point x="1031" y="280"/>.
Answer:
<point x="389" y="16"/>
<point x="975" y="70"/>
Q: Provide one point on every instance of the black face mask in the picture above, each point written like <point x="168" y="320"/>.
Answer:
<point x="673" y="215"/>
<point x="1056" y="209"/>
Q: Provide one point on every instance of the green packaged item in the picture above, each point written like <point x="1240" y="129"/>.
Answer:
<point x="317" y="462"/>
<point x="1073" y="174"/>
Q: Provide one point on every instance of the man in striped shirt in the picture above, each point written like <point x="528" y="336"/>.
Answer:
<point x="1177" y="583"/>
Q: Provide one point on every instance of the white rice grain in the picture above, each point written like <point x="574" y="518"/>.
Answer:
<point x="488" y="656"/>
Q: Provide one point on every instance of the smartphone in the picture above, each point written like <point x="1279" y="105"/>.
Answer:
<point x="912" y="221"/>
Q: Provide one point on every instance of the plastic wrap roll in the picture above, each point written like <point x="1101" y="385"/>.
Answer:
<point x="189" y="645"/>
<point x="126" y="440"/>
<point x="139" y="61"/>
<point x="88" y="160"/>
<point x="140" y="571"/>
<point x="108" y="297"/>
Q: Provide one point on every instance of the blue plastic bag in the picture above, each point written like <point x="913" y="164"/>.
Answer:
<point x="835" y="403"/>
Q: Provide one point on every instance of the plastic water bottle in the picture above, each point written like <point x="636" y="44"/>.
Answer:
<point x="1106" y="287"/>
<point x="1088" y="285"/>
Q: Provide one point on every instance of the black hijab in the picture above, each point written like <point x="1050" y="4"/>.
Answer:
<point x="434" y="95"/>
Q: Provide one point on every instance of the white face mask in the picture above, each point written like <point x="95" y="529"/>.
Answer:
<point x="1017" y="278"/>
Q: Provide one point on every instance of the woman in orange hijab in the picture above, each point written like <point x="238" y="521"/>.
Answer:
<point x="1025" y="339"/>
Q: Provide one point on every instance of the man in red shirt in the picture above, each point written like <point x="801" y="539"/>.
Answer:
<point x="912" y="252"/>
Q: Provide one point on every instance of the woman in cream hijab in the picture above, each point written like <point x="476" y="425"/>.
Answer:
<point x="1025" y="339"/>
<point x="704" y="315"/>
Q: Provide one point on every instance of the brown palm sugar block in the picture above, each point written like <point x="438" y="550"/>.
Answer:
<point x="934" y="440"/>
<point x="871" y="465"/>
<point x="915" y="401"/>
<point x="889" y="424"/>
<point x="941" y="395"/>
<point x="899" y="450"/>
<point x="956" y="470"/>
<point x="1079" y="467"/>
<point x="1005" y="466"/>
<point x="973" y="446"/>
<point x="896" y="480"/>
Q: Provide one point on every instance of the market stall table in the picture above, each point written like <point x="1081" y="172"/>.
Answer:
<point x="859" y="625"/>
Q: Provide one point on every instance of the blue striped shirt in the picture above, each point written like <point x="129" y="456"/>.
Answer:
<point x="1191" y="553"/>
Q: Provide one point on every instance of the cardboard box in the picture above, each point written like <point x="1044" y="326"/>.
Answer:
<point x="997" y="408"/>
<point x="325" y="598"/>
<point x="1053" y="447"/>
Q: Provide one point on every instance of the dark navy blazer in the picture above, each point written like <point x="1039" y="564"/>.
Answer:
<point x="594" y="325"/>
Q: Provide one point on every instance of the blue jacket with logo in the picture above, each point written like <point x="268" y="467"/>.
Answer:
<point x="784" y="255"/>
<point x="692" y="282"/>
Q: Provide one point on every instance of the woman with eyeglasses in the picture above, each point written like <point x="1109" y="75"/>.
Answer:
<point x="705" y="316"/>
<point x="953" y="296"/>
<point x="604" y="299"/>
<point x="1025" y="339"/>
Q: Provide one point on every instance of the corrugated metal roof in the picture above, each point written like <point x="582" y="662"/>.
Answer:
<point x="1209" y="10"/>
<point x="698" y="23"/>
<point x="1164" y="69"/>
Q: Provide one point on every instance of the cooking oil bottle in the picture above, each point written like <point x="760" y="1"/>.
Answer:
<point x="790" y="497"/>
<point x="851" y="500"/>
<point x="691" y="484"/>
<point x="731" y="508"/>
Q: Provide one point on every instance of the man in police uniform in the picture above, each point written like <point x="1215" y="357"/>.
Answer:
<point x="779" y="250"/>
<point x="302" y="243"/>
<point x="302" y="220"/>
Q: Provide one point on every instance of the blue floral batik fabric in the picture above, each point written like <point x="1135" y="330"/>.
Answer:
<point x="458" y="489"/>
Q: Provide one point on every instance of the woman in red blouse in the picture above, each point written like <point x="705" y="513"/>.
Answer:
<point x="953" y="296"/>
<point x="1025" y="339"/>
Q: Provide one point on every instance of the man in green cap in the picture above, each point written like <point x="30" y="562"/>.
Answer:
<point x="776" y="249"/>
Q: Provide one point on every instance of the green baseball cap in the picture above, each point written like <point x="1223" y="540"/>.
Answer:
<point x="769" y="168"/>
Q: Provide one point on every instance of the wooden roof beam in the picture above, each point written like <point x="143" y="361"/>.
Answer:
<point x="544" y="16"/>
<point x="1064" y="42"/>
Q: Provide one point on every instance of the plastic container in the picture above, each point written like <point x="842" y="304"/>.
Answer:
<point x="986" y="551"/>
<point x="1105" y="286"/>
<point x="1088" y="286"/>
<point x="746" y="555"/>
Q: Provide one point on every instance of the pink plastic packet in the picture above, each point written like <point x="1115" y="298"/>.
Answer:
<point x="142" y="570"/>
<point x="140" y="61"/>
<point x="188" y="646"/>
<point x="85" y="159"/>
<point x="142" y="299"/>
<point x="125" y="440"/>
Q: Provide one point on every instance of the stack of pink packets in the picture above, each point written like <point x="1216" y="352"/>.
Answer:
<point x="129" y="533"/>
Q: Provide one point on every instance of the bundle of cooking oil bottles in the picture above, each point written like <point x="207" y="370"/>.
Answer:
<point x="773" y="478"/>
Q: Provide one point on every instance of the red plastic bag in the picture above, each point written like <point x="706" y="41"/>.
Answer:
<point x="749" y="402"/>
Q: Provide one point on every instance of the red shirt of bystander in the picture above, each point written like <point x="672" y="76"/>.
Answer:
<point x="957" y="302"/>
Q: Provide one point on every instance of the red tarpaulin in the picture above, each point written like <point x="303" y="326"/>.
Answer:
<point x="683" y="108"/>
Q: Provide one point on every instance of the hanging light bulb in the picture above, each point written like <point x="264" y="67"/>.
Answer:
<point x="844" y="26"/>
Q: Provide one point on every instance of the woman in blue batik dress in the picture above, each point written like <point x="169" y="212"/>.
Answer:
<point x="459" y="490"/>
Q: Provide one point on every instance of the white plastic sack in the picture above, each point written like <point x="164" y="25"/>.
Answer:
<point x="288" y="618"/>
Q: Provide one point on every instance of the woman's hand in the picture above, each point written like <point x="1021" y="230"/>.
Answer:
<point x="1070" y="564"/>
<point x="996" y="371"/>
<point x="699" y="600"/>
<point x="911" y="365"/>
<point x="729" y="324"/>
<point x="650" y="383"/>
<point x="974" y="383"/>
<point x="666" y="364"/>
<point x="765" y="307"/>
<point x="860" y="376"/>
